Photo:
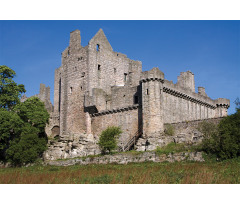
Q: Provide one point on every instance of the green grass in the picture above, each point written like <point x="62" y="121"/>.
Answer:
<point x="227" y="171"/>
<point x="172" y="148"/>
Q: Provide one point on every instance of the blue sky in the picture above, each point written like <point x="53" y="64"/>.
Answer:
<point x="210" y="49"/>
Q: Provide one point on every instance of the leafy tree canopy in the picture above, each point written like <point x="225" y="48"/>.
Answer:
<point x="22" y="125"/>
<point x="34" y="112"/>
<point x="10" y="127"/>
<point x="108" y="139"/>
<point x="9" y="90"/>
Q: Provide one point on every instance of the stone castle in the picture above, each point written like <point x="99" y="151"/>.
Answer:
<point x="96" y="87"/>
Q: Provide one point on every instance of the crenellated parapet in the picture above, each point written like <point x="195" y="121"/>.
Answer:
<point x="222" y="105"/>
<point x="222" y="102"/>
<point x="117" y="110"/>
<point x="188" y="97"/>
<point x="153" y="75"/>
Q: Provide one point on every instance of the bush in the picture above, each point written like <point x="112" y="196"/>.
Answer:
<point x="108" y="139"/>
<point x="169" y="130"/>
<point x="27" y="150"/>
<point x="224" y="142"/>
<point x="207" y="128"/>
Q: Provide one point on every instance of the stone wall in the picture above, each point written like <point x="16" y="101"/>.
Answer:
<point x="129" y="158"/>
<point x="124" y="96"/>
<point x="179" y="107"/>
<point x="126" y="118"/>
<point x="181" y="103"/>
<point x="184" y="132"/>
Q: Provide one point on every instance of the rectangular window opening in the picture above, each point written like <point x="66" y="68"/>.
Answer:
<point x="135" y="99"/>
<point x="125" y="77"/>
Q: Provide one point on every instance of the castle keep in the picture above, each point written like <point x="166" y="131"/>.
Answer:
<point x="96" y="87"/>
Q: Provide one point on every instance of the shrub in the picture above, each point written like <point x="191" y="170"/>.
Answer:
<point x="207" y="128"/>
<point x="27" y="150"/>
<point x="169" y="130"/>
<point x="224" y="142"/>
<point x="108" y="139"/>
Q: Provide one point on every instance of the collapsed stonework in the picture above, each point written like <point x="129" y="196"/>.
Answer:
<point x="96" y="87"/>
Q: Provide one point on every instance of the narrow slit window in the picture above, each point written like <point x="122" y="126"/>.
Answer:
<point x="59" y="95"/>
<point x="135" y="99"/>
<point x="98" y="47"/>
<point x="71" y="90"/>
<point x="115" y="70"/>
<point x="125" y="77"/>
<point x="99" y="67"/>
<point x="147" y="92"/>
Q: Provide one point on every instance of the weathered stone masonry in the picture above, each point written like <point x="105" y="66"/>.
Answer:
<point x="96" y="87"/>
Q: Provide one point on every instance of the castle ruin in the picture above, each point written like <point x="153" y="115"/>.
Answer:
<point x="96" y="87"/>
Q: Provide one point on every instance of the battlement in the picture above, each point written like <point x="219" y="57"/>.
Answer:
<point x="223" y="102"/>
<point x="153" y="74"/>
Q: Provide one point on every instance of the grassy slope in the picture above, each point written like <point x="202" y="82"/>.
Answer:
<point x="180" y="172"/>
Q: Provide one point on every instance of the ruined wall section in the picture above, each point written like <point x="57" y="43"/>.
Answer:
<point x="44" y="96"/>
<point x="186" y="80"/>
<point x="108" y="68"/>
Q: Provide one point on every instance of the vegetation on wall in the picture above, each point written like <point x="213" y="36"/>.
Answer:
<point x="169" y="130"/>
<point x="22" y="125"/>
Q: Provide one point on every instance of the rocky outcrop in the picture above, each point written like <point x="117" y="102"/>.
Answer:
<point x="126" y="158"/>
<point x="70" y="146"/>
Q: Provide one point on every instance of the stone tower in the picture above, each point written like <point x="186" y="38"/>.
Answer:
<point x="152" y="102"/>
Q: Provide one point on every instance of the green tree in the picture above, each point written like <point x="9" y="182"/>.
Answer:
<point x="34" y="112"/>
<point x="22" y="125"/>
<point x="108" y="139"/>
<point x="10" y="128"/>
<point x="10" y="92"/>
<point x="26" y="150"/>
<point x="32" y="141"/>
<point x="224" y="142"/>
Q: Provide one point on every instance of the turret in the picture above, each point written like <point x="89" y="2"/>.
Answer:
<point x="222" y="105"/>
<point x="152" y="102"/>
